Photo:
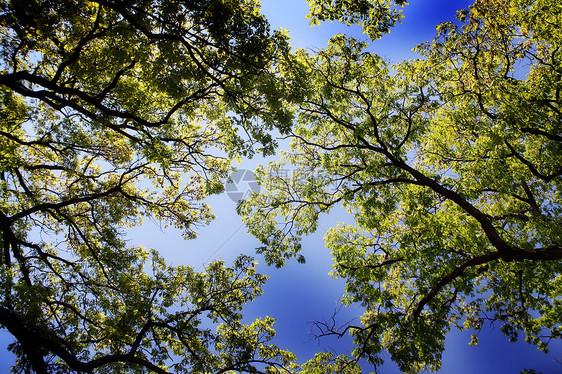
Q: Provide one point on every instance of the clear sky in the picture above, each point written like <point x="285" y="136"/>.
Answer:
<point x="298" y="294"/>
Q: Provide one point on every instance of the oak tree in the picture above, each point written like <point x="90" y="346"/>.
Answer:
<point x="450" y="166"/>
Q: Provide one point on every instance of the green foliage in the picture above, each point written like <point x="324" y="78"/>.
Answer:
<point x="326" y="363"/>
<point x="376" y="17"/>
<point x="451" y="168"/>
<point x="112" y="112"/>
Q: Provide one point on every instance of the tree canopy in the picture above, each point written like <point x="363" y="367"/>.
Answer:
<point x="451" y="167"/>
<point x="113" y="112"/>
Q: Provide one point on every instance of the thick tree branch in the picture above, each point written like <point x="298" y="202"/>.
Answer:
<point x="551" y="253"/>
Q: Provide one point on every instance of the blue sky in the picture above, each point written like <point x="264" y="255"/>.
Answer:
<point x="298" y="294"/>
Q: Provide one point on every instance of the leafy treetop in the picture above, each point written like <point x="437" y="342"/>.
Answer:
<point x="112" y="112"/>
<point x="376" y="17"/>
<point x="451" y="168"/>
